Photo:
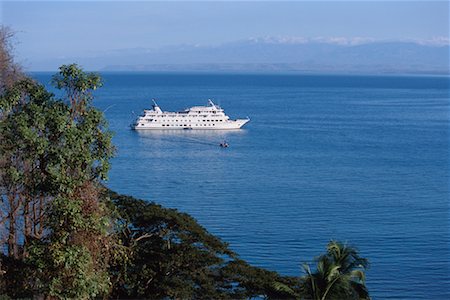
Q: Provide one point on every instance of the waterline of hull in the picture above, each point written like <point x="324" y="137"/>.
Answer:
<point x="238" y="124"/>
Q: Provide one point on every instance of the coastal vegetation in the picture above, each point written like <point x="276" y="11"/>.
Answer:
<point x="63" y="234"/>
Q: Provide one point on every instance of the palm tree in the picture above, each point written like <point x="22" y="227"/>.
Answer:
<point x="339" y="275"/>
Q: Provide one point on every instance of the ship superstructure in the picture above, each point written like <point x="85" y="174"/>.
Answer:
<point x="211" y="116"/>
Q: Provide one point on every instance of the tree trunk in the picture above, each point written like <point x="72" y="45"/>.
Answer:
<point x="12" y="236"/>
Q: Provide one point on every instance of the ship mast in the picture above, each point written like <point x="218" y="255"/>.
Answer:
<point x="156" y="107"/>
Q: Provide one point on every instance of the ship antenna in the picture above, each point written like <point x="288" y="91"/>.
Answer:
<point x="154" y="102"/>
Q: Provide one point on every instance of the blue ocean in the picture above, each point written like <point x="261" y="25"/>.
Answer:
<point x="361" y="159"/>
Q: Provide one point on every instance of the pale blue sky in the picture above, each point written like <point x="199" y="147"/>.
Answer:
<point x="49" y="29"/>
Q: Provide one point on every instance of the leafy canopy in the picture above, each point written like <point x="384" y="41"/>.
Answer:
<point x="54" y="154"/>
<point x="171" y="256"/>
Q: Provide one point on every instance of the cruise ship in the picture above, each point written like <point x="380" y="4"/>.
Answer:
<point x="211" y="116"/>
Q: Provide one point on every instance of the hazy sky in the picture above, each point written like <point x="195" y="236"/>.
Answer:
<point x="47" y="29"/>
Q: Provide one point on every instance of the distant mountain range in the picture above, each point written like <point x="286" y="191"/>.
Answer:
<point x="278" y="55"/>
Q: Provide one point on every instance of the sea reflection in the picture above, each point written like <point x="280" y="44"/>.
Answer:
<point x="206" y="137"/>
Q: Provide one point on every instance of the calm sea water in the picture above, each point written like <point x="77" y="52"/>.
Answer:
<point x="359" y="159"/>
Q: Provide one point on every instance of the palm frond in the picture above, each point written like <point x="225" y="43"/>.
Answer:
<point x="359" y="275"/>
<point x="281" y="287"/>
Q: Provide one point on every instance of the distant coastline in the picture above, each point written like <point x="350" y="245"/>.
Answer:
<point x="262" y="56"/>
<point x="182" y="71"/>
<point x="297" y="69"/>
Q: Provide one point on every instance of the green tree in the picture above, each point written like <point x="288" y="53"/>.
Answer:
<point x="339" y="275"/>
<point x="53" y="158"/>
<point x="78" y="86"/>
<point x="25" y="106"/>
<point x="169" y="255"/>
<point x="72" y="259"/>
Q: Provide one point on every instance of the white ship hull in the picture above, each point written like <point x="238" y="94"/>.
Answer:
<point x="231" y="124"/>
<point x="210" y="117"/>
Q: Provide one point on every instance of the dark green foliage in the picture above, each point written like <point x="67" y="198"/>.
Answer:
<point x="29" y="114"/>
<point x="171" y="255"/>
<point x="52" y="157"/>
<point x="12" y="283"/>
<point x="339" y="275"/>
<point x="253" y="281"/>
<point x="73" y="256"/>
<point x="78" y="86"/>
